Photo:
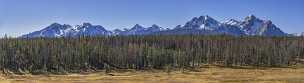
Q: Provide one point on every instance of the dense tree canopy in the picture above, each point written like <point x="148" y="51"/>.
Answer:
<point x="146" y="52"/>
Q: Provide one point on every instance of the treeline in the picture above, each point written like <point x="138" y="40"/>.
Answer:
<point x="146" y="52"/>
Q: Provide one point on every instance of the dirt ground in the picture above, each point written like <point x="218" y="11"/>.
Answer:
<point x="205" y="75"/>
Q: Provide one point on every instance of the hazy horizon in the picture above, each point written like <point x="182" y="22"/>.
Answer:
<point x="20" y="17"/>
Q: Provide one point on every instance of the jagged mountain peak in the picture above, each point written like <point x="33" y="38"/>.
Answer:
<point x="203" y="25"/>
<point x="87" y="25"/>
<point x="252" y="18"/>
<point x="256" y="26"/>
<point x="140" y="30"/>
<point x="206" y="18"/>
<point x="58" y="26"/>
<point x="87" y="29"/>
<point x="155" y="27"/>
<point x="53" y="30"/>
<point x="202" y="22"/>
<point x="59" y="30"/>
<point x="84" y="25"/>
<point x="137" y="26"/>
<point x="203" y="18"/>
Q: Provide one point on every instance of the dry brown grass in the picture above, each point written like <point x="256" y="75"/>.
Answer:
<point x="207" y="75"/>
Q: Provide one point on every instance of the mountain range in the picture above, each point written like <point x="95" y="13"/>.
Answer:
<point x="202" y="25"/>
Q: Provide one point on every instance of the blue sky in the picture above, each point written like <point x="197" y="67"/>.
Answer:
<point x="19" y="17"/>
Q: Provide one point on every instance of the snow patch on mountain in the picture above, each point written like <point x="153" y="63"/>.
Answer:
<point x="140" y="30"/>
<point x="232" y="22"/>
<point x="255" y="26"/>
<point x="202" y="22"/>
<point x="58" y="30"/>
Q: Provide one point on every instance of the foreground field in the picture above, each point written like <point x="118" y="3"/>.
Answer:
<point x="204" y="75"/>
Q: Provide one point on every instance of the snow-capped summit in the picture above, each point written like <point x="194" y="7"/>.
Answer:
<point x="135" y="30"/>
<point x="155" y="27"/>
<point x="137" y="27"/>
<point x="83" y="27"/>
<point x="251" y="25"/>
<point x="209" y="26"/>
<point x="202" y="22"/>
<point x="251" y="17"/>
<point x="58" y="30"/>
<point x="255" y="26"/>
<point x="54" y="30"/>
<point x="87" y="29"/>
<point x="203" y="25"/>
<point x="57" y="26"/>
<point x="140" y="30"/>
